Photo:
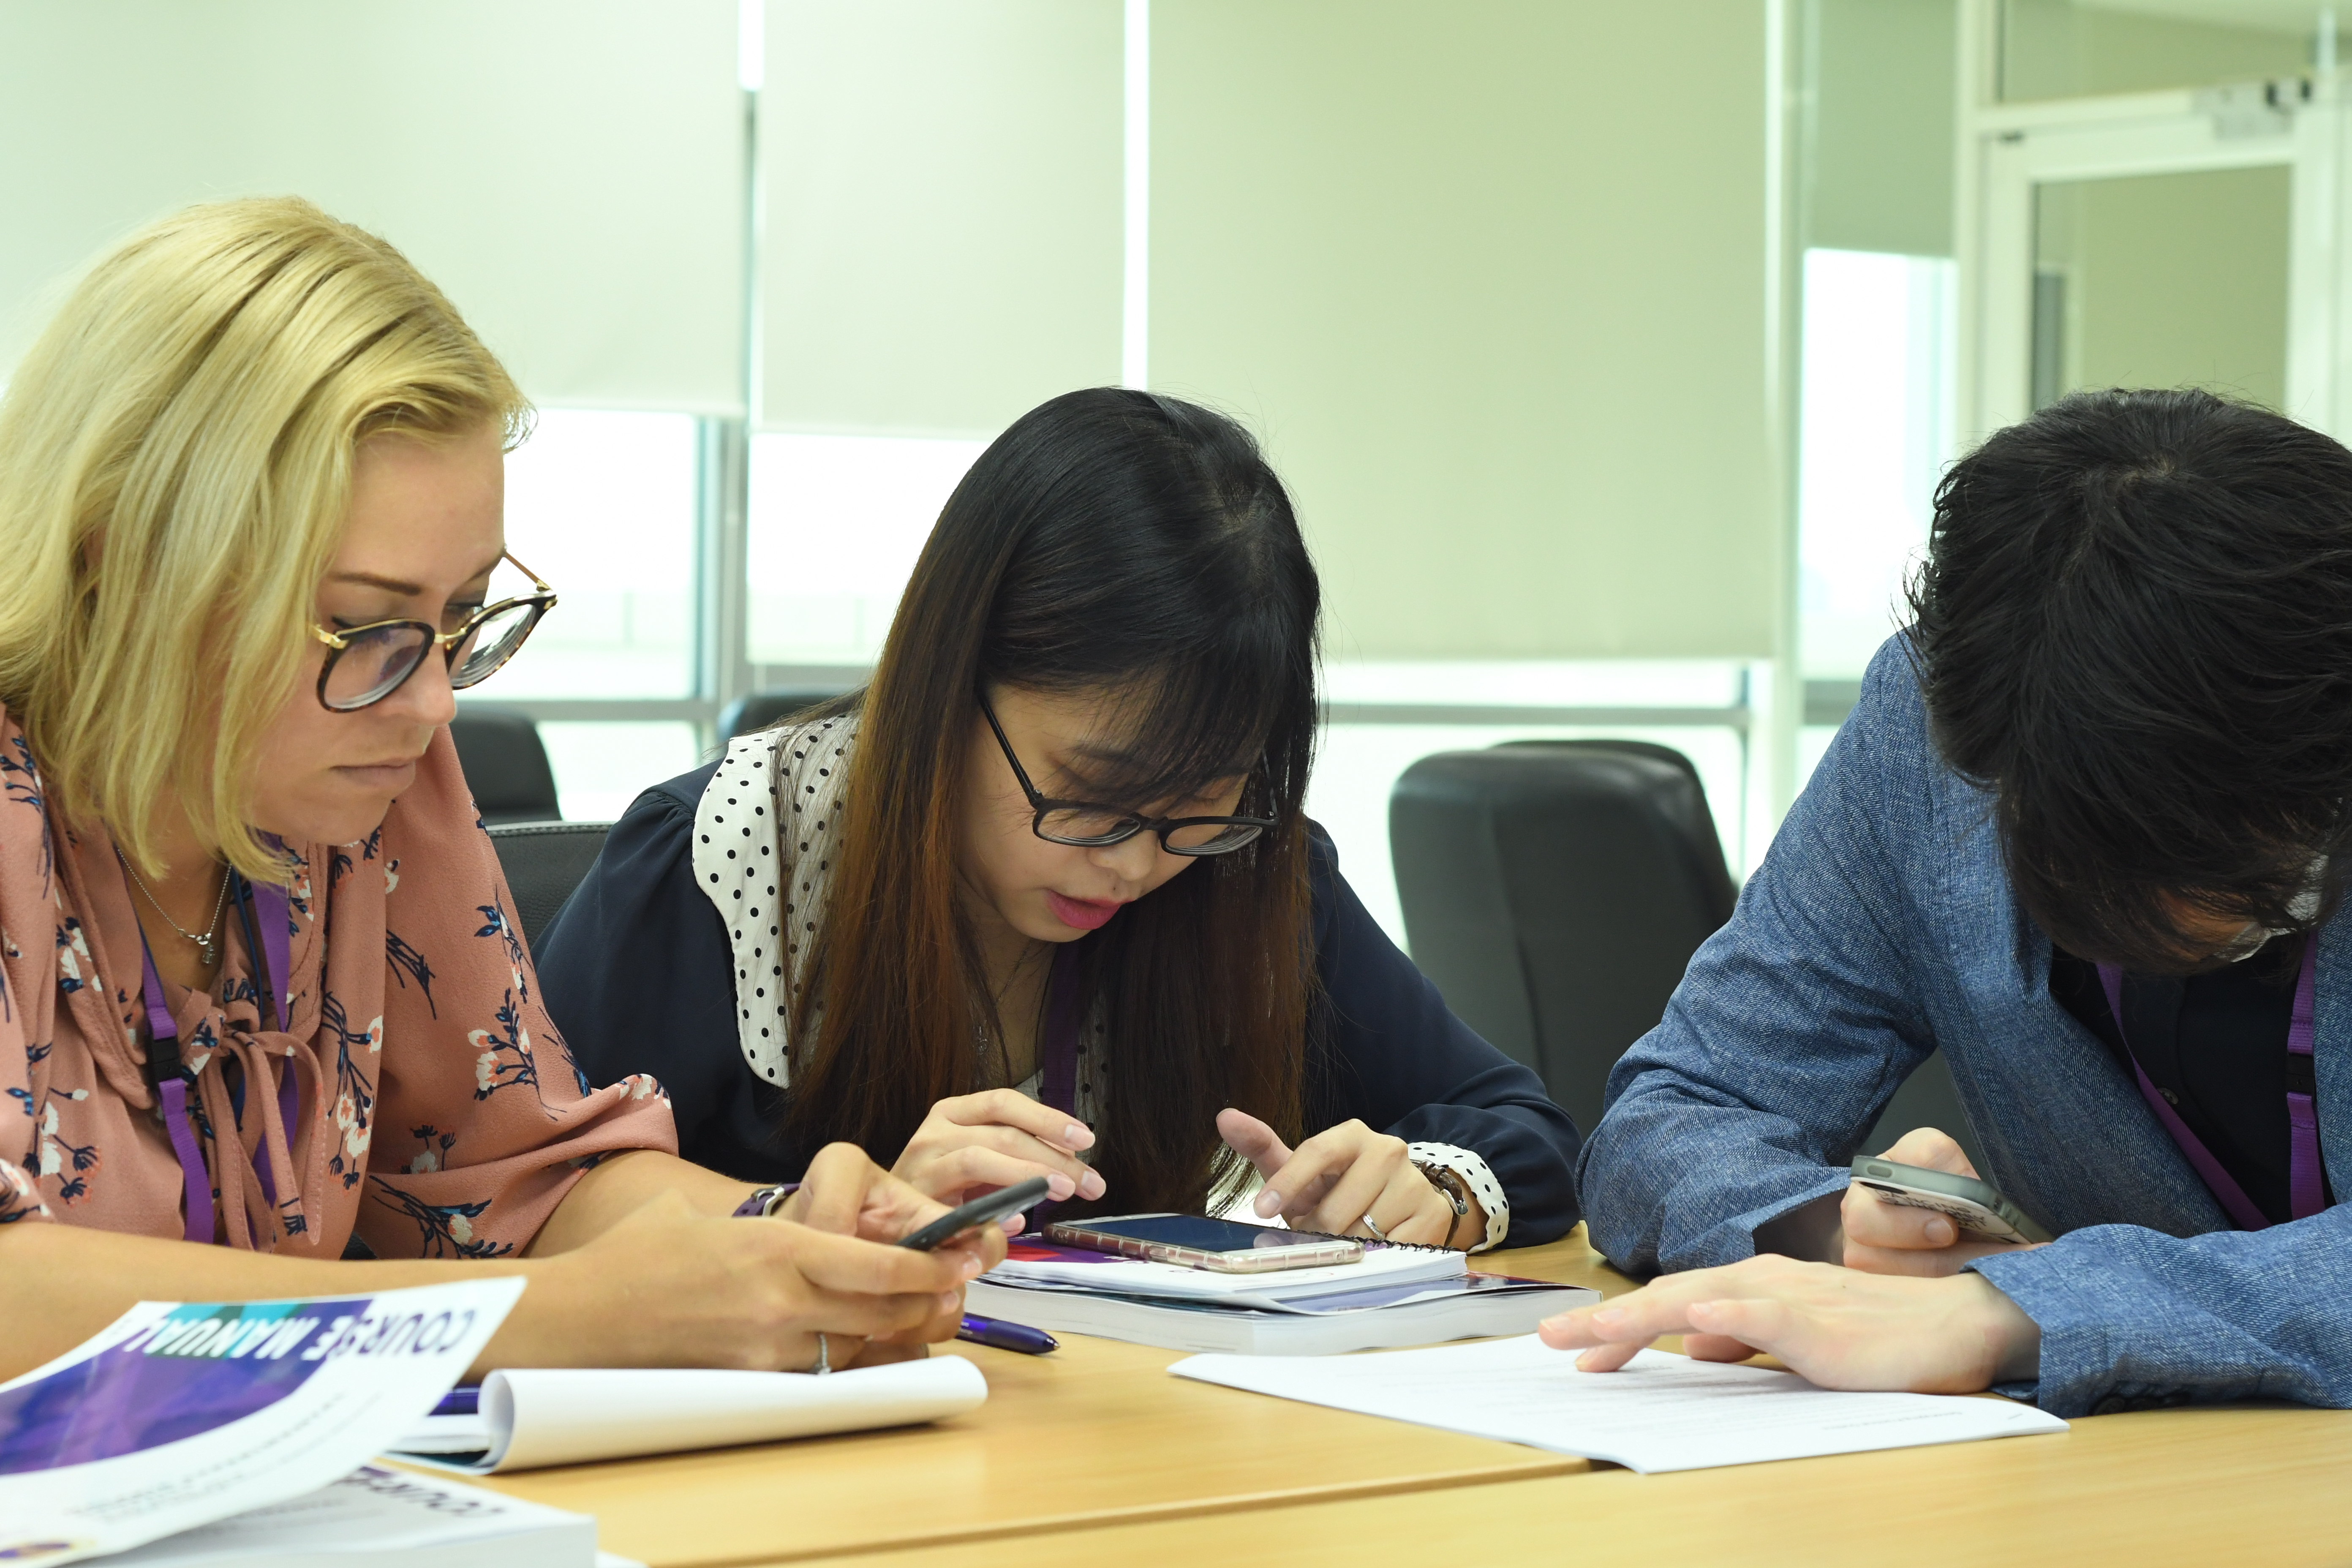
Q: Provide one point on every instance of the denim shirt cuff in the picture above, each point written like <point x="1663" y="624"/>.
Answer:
<point x="2041" y="1295"/>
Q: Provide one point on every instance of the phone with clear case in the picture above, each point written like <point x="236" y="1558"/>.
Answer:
<point x="1976" y="1208"/>
<point x="1197" y="1241"/>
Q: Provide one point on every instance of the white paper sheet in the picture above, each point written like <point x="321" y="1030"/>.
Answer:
<point x="1662" y="1412"/>
<point x="550" y="1416"/>
<point x="375" y="1518"/>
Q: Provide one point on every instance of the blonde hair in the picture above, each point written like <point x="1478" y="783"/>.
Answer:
<point x="175" y="468"/>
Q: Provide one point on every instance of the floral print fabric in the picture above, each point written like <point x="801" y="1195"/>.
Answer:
<point x="439" y="1113"/>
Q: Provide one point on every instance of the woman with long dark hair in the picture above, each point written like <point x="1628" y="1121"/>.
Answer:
<point x="1041" y="899"/>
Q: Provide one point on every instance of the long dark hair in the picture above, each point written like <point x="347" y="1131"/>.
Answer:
<point x="2135" y="626"/>
<point x="1109" y="541"/>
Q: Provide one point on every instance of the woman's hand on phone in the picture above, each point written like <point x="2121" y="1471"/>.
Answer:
<point x="975" y="1142"/>
<point x="1330" y="1182"/>
<point x="670" y="1286"/>
<point x="843" y="1193"/>
<point x="1883" y="1238"/>
<point x="846" y="1193"/>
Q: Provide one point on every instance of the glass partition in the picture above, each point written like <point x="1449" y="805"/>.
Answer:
<point x="836" y="523"/>
<point x="2066" y="48"/>
<point x="602" y="505"/>
<point x="2173" y="280"/>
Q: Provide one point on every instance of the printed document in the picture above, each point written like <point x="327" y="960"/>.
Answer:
<point x="375" y="1518"/>
<point x="1662" y="1412"/>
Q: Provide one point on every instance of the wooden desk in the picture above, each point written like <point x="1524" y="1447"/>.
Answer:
<point x="1095" y="1456"/>
<point x="1097" y="1432"/>
<point x="2164" y="1487"/>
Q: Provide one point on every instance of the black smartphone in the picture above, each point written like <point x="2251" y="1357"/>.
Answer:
<point x="993" y="1205"/>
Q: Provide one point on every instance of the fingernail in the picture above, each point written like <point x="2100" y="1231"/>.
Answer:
<point x="1608" y="1318"/>
<point x="1090" y="1186"/>
<point x="970" y="1266"/>
<point x="1013" y="1223"/>
<point x="1559" y="1322"/>
<point x="1268" y="1205"/>
<point x="1077" y="1137"/>
<point x="1941" y="1232"/>
<point x="952" y="1300"/>
<point x="1058" y="1186"/>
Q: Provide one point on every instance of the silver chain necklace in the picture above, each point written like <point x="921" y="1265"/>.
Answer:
<point x="208" y="944"/>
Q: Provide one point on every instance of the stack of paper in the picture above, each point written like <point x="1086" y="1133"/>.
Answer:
<point x="1467" y="1306"/>
<point x="1395" y="1295"/>
<point x="1048" y="1265"/>
<point x="1661" y="1413"/>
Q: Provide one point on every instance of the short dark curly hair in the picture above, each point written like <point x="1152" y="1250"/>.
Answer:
<point x="2133" y="626"/>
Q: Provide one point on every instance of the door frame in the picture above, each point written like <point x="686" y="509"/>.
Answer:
<point x="2007" y="149"/>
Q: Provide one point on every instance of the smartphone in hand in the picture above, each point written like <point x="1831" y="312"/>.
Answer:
<point x="1976" y="1207"/>
<point x="988" y="1207"/>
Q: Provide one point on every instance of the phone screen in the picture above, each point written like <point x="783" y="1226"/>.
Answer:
<point x="1200" y="1231"/>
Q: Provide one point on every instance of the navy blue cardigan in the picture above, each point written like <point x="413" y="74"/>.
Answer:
<point x="637" y="973"/>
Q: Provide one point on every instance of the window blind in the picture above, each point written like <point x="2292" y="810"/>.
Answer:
<point x="940" y="186"/>
<point x="570" y="172"/>
<point x="1491" y="278"/>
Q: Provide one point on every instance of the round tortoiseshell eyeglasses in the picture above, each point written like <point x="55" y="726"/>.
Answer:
<point x="367" y="664"/>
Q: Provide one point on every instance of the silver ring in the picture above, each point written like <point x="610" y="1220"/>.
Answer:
<point x="1369" y="1223"/>
<point x="824" y="1358"/>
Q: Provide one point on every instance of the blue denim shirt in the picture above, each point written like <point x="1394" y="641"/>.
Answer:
<point x="1881" y="927"/>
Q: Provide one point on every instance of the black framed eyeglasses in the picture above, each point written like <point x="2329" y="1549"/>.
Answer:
<point x="1094" y="826"/>
<point x="367" y="664"/>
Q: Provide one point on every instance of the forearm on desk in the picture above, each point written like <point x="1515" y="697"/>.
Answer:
<point x="60" y="1284"/>
<point x="615" y="1188"/>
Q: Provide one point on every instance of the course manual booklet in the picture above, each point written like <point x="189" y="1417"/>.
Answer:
<point x="1662" y="1412"/>
<point x="180" y="1414"/>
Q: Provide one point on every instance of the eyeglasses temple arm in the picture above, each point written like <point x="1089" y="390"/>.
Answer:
<point x="536" y="581"/>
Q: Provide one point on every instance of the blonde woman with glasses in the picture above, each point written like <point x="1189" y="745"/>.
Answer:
<point x="267" y="1028"/>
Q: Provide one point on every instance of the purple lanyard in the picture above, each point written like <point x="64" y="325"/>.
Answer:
<point x="269" y="906"/>
<point x="2305" y="1192"/>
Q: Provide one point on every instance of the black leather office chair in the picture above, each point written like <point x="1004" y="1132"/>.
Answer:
<point x="545" y="861"/>
<point x="1555" y="891"/>
<point x="763" y="708"/>
<point x="505" y="766"/>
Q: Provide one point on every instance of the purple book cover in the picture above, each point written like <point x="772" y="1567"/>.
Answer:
<point x="199" y="1367"/>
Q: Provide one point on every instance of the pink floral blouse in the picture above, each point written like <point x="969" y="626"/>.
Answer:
<point x="439" y="1112"/>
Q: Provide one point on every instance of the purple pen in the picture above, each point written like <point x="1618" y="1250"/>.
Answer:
<point x="1006" y="1336"/>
